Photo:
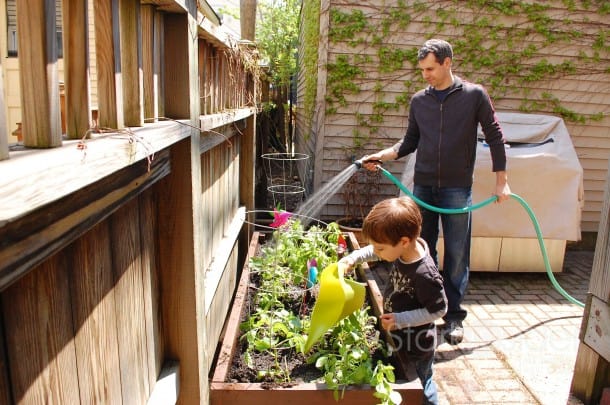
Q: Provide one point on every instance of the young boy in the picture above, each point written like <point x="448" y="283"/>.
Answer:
<point x="414" y="297"/>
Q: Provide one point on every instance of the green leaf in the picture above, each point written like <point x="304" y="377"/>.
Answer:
<point x="321" y="361"/>
<point x="382" y="388"/>
<point x="357" y="353"/>
<point x="262" y="345"/>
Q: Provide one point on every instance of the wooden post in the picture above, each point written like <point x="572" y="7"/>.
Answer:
<point x="148" y="65"/>
<point x="592" y="371"/>
<point x="181" y="270"/>
<point x="76" y="67"/>
<point x="202" y="52"/>
<point x="131" y="62"/>
<point x="107" y="50"/>
<point x="38" y="74"/>
<point x="159" y="58"/>
<point x="3" y="129"/>
<point x="247" y="19"/>
<point x="177" y="85"/>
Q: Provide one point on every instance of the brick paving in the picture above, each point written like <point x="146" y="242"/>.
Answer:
<point x="521" y="338"/>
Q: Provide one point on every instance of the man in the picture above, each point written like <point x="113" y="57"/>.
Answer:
<point x="442" y="127"/>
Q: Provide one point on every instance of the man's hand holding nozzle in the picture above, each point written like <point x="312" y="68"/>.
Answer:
<point x="371" y="162"/>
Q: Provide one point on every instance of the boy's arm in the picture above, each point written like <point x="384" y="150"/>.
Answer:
<point x="416" y="317"/>
<point x="364" y="254"/>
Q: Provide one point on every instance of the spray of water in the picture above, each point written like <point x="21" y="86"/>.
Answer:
<point x="314" y="203"/>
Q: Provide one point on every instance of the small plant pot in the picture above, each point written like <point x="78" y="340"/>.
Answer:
<point x="353" y="225"/>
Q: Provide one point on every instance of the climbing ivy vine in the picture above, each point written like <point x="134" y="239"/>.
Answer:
<point x="309" y="63"/>
<point x="496" y="43"/>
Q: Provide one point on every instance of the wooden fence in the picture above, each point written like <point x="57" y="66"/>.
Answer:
<point x="121" y="237"/>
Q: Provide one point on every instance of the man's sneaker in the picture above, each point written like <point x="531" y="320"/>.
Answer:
<point x="453" y="332"/>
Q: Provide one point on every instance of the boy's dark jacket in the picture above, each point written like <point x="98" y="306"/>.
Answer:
<point x="413" y="286"/>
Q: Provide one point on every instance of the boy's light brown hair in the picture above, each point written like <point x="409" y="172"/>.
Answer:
<point x="391" y="219"/>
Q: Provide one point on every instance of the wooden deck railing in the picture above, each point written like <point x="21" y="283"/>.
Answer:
<point x="120" y="237"/>
<point x="131" y="80"/>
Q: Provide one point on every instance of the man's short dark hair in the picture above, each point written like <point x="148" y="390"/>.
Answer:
<point x="439" y="48"/>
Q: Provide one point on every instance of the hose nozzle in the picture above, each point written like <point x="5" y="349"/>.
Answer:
<point x="362" y="161"/>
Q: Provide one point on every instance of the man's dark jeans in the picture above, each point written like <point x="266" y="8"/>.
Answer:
<point x="456" y="236"/>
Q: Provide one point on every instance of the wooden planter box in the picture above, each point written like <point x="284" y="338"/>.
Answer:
<point x="222" y="392"/>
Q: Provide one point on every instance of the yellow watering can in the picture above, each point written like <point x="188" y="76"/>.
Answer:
<point x="337" y="299"/>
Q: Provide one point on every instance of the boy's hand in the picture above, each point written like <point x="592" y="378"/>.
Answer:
<point x="347" y="264"/>
<point x="388" y="321"/>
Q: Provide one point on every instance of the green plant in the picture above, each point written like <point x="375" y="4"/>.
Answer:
<point x="279" y="318"/>
<point x="309" y="61"/>
<point x="346" y="358"/>
<point x="277" y="36"/>
<point x="274" y="325"/>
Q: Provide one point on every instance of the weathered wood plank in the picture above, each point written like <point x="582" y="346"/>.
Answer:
<point x="131" y="62"/>
<point x="204" y="78"/>
<point x="592" y="371"/>
<point x="55" y="173"/>
<point x="27" y="241"/>
<point x="39" y="82"/>
<point x="159" y="58"/>
<point x="247" y="169"/>
<point x="107" y="50"/>
<point x="3" y="132"/>
<point x="147" y="13"/>
<point x="76" y="67"/>
<point x="589" y="374"/>
<point x="150" y="282"/>
<point x="227" y="348"/>
<point x="181" y="269"/>
<point x="39" y="336"/>
<point x="222" y="257"/>
<point x="91" y="284"/>
<point x="182" y="305"/>
<point x="220" y="303"/>
<point x="5" y="385"/>
<point x="213" y="134"/>
<point x="207" y="201"/>
<point x="600" y="276"/>
<point x="177" y="85"/>
<point x="129" y="303"/>
<point x="319" y="120"/>
<point x="305" y="394"/>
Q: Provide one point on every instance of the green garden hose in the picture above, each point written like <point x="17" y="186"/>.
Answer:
<point x="521" y="201"/>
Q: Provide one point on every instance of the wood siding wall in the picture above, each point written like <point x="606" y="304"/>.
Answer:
<point x="582" y="93"/>
<point x="119" y="252"/>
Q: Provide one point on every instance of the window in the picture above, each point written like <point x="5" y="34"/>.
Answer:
<point x="11" y="24"/>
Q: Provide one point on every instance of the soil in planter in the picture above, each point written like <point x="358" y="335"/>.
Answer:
<point x="292" y="361"/>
